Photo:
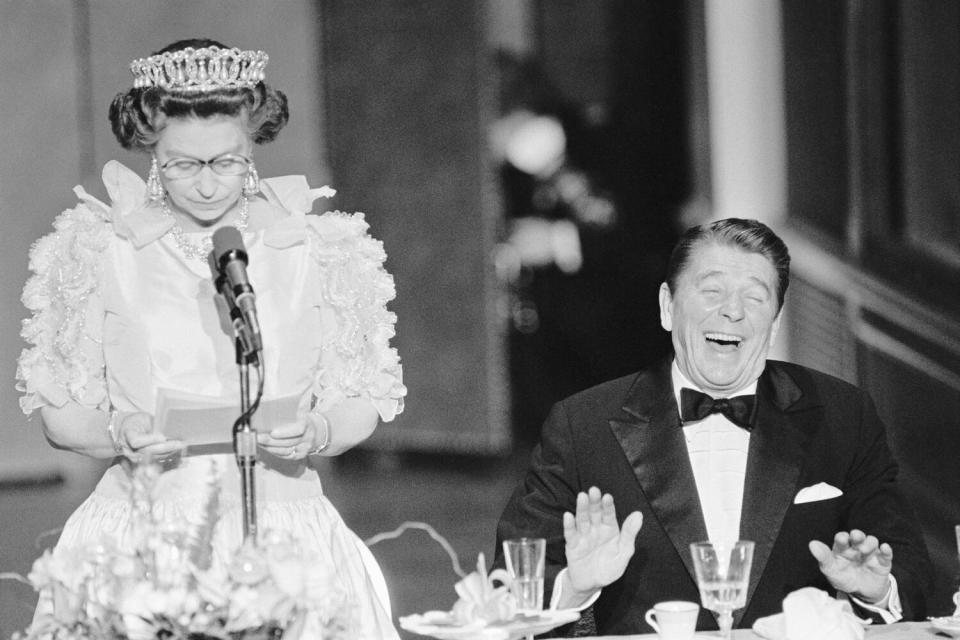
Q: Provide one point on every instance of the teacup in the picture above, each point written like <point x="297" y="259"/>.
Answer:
<point x="674" y="619"/>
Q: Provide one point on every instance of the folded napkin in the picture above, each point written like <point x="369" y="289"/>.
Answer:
<point x="816" y="492"/>
<point x="811" y="614"/>
<point x="481" y="598"/>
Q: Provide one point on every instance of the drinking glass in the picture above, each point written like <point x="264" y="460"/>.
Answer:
<point x="723" y="573"/>
<point x="956" y="596"/>
<point x="525" y="561"/>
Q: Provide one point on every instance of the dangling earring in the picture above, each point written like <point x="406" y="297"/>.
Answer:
<point x="251" y="184"/>
<point x="155" y="190"/>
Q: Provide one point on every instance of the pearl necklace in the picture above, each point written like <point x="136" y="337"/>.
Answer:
<point x="206" y="242"/>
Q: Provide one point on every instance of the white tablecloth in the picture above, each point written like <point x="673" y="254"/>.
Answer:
<point x="899" y="631"/>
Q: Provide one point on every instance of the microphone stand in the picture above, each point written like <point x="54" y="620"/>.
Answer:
<point x="244" y="435"/>
<point x="245" y="440"/>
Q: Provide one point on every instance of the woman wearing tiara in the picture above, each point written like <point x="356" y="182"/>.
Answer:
<point x="123" y="314"/>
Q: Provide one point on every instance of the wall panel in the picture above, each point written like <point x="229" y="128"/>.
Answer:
<point x="406" y="108"/>
<point x="817" y="330"/>
<point x="39" y="164"/>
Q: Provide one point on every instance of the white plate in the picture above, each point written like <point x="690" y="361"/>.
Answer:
<point x="440" y="625"/>
<point x="949" y="625"/>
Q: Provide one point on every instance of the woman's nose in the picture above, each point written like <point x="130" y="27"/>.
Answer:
<point x="206" y="182"/>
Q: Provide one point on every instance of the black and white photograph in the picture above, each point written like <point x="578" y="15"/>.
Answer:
<point x="480" y="319"/>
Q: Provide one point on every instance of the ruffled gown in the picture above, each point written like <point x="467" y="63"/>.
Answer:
<point x="119" y="313"/>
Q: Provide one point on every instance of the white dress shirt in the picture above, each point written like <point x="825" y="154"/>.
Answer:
<point x="718" y="454"/>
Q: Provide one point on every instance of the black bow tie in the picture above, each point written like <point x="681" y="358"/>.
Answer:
<point x="696" y="406"/>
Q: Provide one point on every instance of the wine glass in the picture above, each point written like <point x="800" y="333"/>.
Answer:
<point x="723" y="573"/>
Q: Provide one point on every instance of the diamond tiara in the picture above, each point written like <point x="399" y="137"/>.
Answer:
<point x="197" y="70"/>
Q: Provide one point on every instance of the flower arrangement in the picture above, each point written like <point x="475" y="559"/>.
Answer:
<point x="168" y="585"/>
<point x="481" y="598"/>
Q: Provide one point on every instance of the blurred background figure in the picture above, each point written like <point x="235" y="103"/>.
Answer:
<point x="581" y="249"/>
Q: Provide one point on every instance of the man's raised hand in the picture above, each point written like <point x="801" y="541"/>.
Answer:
<point x="857" y="564"/>
<point x="597" y="548"/>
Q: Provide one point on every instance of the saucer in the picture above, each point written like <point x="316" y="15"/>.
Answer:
<point x="440" y="625"/>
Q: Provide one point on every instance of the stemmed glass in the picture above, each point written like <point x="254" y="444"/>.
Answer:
<point x="723" y="573"/>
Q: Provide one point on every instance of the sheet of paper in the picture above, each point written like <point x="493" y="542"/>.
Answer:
<point x="201" y="420"/>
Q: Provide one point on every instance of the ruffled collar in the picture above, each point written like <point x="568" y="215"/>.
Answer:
<point x="141" y="223"/>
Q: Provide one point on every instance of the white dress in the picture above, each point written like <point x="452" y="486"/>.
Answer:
<point x="118" y="313"/>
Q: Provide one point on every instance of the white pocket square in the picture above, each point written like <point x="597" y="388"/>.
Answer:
<point x="819" y="491"/>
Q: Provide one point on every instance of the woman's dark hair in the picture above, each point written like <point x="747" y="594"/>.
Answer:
<point x="749" y="235"/>
<point x="137" y="116"/>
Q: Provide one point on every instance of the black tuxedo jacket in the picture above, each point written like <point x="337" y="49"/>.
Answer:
<point x="625" y="437"/>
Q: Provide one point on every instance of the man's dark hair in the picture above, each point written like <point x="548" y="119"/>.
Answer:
<point x="749" y="235"/>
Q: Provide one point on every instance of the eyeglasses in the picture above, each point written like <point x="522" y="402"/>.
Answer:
<point x="228" y="164"/>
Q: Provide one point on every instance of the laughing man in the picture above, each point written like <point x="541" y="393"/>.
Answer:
<point x="720" y="443"/>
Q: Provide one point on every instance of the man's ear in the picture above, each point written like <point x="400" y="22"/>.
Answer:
<point x="666" y="307"/>
<point x="775" y="328"/>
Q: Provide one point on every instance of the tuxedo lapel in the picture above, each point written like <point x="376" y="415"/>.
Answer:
<point x="654" y="445"/>
<point x="776" y="456"/>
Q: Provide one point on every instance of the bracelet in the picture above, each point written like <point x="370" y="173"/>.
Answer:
<point x="112" y="430"/>
<point x="326" y="435"/>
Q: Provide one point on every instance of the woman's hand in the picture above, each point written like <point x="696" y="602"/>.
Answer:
<point x="291" y="441"/>
<point x="137" y="437"/>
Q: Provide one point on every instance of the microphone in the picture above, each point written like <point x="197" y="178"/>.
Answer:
<point x="229" y="256"/>
<point x="230" y="318"/>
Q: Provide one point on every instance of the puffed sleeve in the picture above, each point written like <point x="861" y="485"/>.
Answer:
<point x="65" y="359"/>
<point x="356" y="359"/>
